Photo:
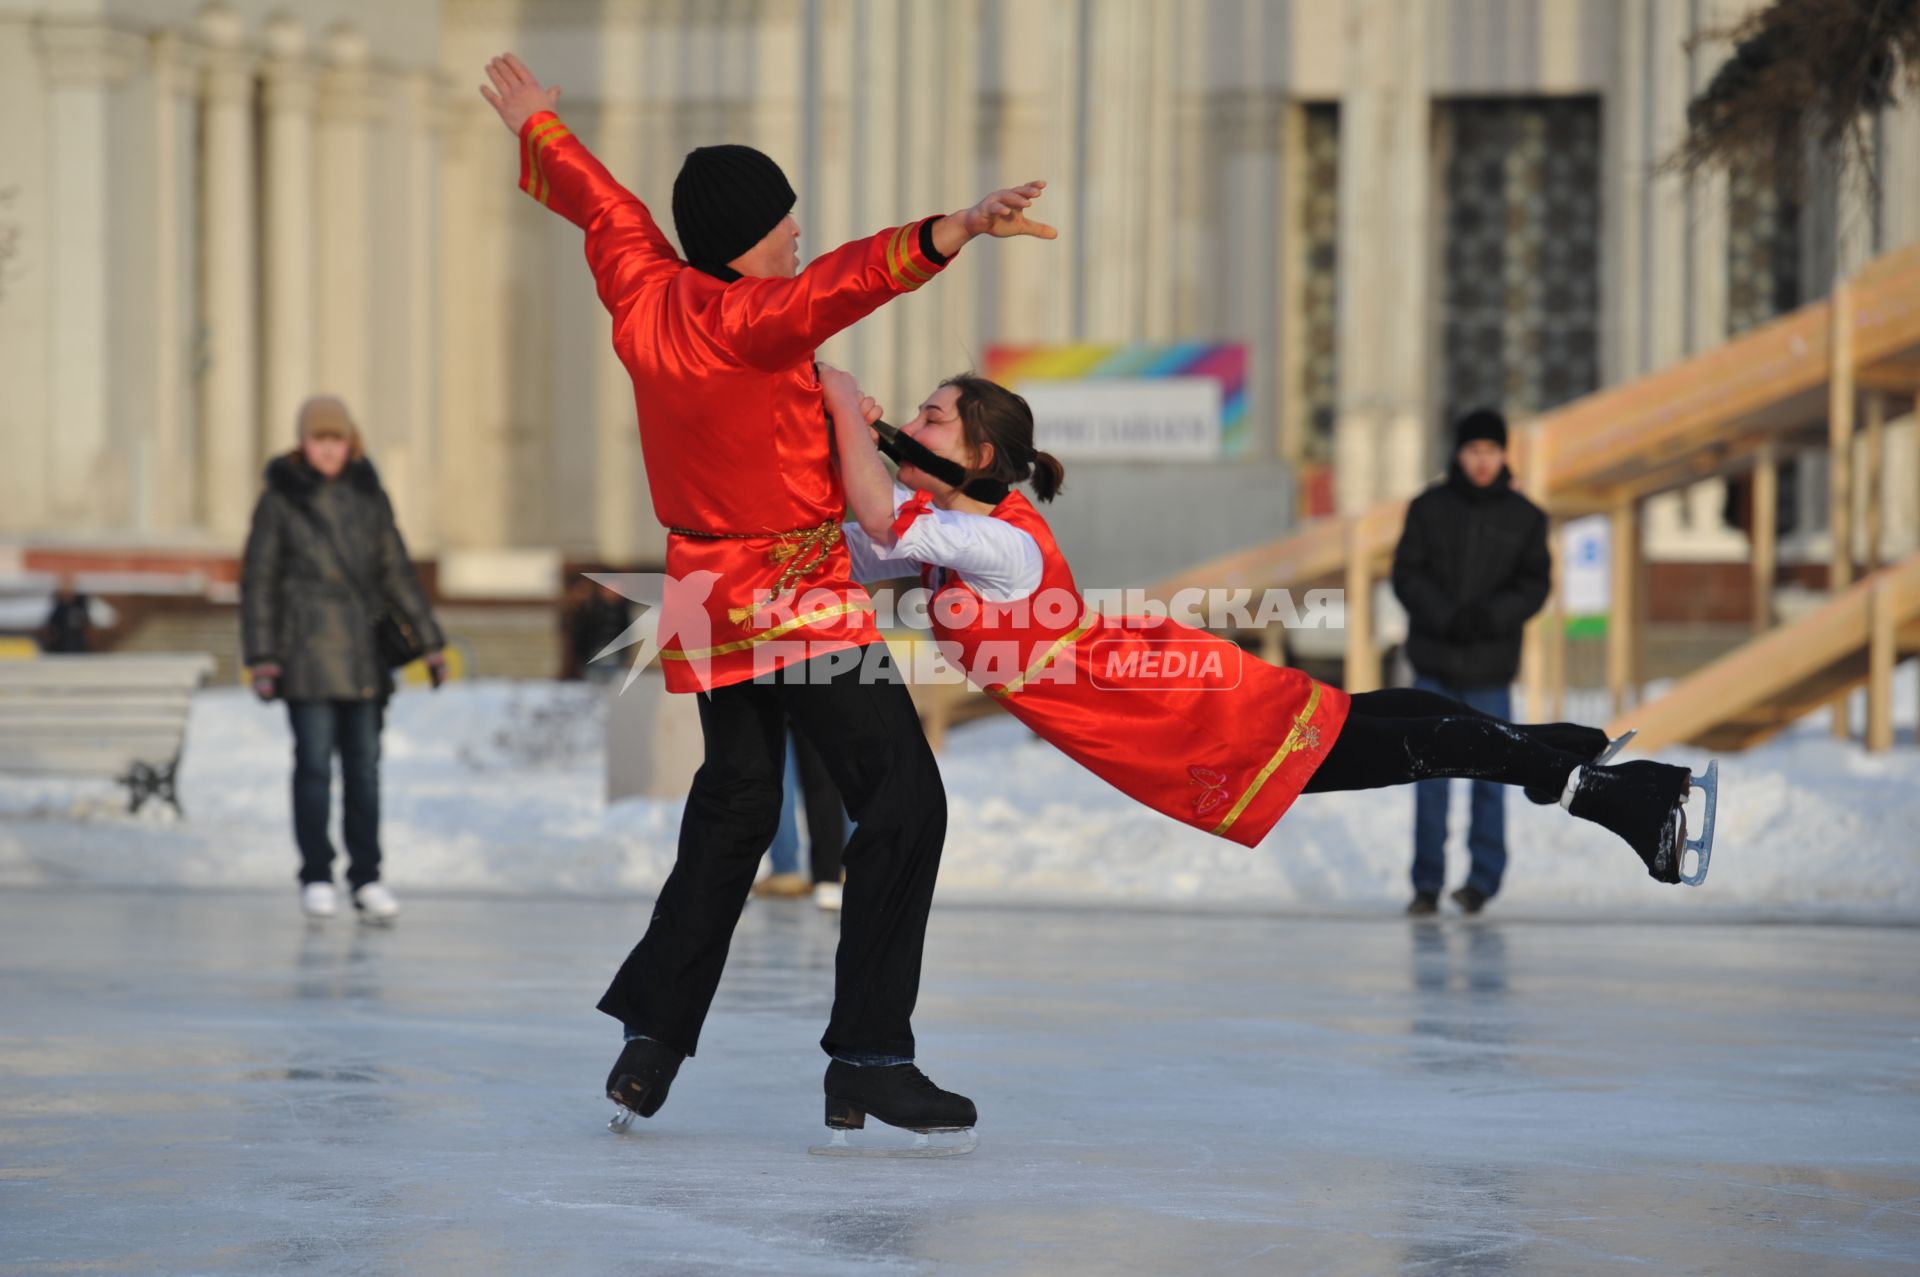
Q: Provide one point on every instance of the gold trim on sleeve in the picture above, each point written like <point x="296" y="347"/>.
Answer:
<point x="537" y="142"/>
<point x="900" y="262"/>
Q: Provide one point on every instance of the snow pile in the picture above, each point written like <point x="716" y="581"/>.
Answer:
<point x="496" y="787"/>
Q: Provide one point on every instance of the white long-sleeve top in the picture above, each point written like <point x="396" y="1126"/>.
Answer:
<point x="998" y="560"/>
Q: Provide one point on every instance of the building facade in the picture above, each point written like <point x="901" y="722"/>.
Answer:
<point x="1402" y="207"/>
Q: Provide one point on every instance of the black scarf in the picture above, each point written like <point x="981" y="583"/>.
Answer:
<point x="905" y="450"/>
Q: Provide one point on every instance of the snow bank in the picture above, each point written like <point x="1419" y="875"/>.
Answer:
<point x="496" y="787"/>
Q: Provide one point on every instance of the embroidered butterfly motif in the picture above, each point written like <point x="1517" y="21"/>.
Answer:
<point x="1214" y="785"/>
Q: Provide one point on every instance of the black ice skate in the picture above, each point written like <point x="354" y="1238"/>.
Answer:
<point x="1548" y="797"/>
<point x="639" y="1081"/>
<point x="898" y="1095"/>
<point x="1645" y="803"/>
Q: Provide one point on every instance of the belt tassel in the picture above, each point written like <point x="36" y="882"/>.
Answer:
<point x="801" y="551"/>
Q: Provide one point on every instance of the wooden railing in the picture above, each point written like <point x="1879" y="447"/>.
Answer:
<point x="1792" y="383"/>
<point x="1854" y="639"/>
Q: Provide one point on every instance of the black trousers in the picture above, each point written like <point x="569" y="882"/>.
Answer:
<point x="826" y="814"/>
<point x="1400" y="735"/>
<point x="854" y="710"/>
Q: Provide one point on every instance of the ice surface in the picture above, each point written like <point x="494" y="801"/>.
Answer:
<point x="1226" y="1060"/>
<point x="199" y="1081"/>
<point x="495" y="787"/>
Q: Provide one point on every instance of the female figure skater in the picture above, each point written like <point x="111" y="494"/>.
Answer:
<point x="1181" y="720"/>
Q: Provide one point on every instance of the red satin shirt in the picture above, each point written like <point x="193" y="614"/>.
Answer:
<point x="731" y="423"/>
<point x="1181" y="720"/>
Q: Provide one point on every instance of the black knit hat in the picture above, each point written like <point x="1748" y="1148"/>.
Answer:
<point x="725" y="201"/>
<point x="1481" y="423"/>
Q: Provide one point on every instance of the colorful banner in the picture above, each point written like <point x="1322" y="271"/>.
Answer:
<point x="1098" y="431"/>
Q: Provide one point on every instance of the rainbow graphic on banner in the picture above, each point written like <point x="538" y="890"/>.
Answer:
<point x="1224" y="361"/>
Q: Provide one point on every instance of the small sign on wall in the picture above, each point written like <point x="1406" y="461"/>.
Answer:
<point x="1137" y="402"/>
<point x="1586" y="573"/>
<point x="1172" y="418"/>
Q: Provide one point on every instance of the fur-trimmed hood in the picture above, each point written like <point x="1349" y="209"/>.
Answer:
<point x="291" y="474"/>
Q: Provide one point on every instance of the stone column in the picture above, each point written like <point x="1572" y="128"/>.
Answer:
<point x="1039" y="137"/>
<point x="878" y="128"/>
<point x="414" y="487"/>
<point x="1409" y="226"/>
<point x="84" y="64"/>
<point x="958" y="336"/>
<point x="1288" y="351"/>
<point x="173" y="477"/>
<point x="1623" y="244"/>
<point x="1707" y="230"/>
<point x="1385" y="180"/>
<point x="830" y="205"/>
<point x="1117" y="38"/>
<point x="1900" y="173"/>
<point x="1675" y="288"/>
<point x="1899" y="227"/>
<point x="350" y="101"/>
<point x="1668" y="89"/>
<point x="228" y="396"/>
<point x="287" y="231"/>
<point x="1168" y="44"/>
<point x="938" y="157"/>
<point x="476" y="356"/>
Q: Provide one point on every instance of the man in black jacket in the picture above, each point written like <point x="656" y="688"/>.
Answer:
<point x="1471" y="567"/>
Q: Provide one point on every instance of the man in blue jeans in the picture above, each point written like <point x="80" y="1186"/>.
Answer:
<point x="1471" y="568"/>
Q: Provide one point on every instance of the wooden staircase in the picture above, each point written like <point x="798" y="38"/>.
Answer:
<point x="1853" y="641"/>
<point x="1795" y="383"/>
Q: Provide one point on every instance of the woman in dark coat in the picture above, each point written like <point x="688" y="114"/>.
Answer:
<point x="324" y="562"/>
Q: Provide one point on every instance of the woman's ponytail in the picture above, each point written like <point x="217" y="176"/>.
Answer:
<point x="1048" y="475"/>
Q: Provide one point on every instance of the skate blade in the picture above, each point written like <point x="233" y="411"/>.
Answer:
<point x="1614" y="746"/>
<point x="925" y="1144"/>
<point x="622" y="1120"/>
<point x="1702" y="847"/>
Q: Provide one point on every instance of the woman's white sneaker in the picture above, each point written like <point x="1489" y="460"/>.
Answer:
<point x="375" y="903"/>
<point x="317" y="900"/>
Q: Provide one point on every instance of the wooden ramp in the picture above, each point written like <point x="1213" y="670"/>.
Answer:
<point x="1854" y="640"/>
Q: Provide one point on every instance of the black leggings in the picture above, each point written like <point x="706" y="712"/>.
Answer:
<point x="1401" y="735"/>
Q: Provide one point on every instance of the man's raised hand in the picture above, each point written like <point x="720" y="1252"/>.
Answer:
<point x="1003" y="214"/>
<point x="516" y="94"/>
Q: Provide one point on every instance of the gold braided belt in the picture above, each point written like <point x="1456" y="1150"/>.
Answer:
<point x="801" y="550"/>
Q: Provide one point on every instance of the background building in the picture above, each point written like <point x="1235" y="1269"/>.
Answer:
<point x="1400" y="207"/>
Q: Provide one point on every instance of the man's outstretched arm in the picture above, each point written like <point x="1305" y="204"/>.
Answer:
<point x="624" y="244"/>
<point x="774" y="323"/>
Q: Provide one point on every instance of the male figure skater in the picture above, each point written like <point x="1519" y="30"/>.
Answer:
<point x="720" y="347"/>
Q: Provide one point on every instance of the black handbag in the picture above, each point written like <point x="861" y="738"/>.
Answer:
<point x="394" y="640"/>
